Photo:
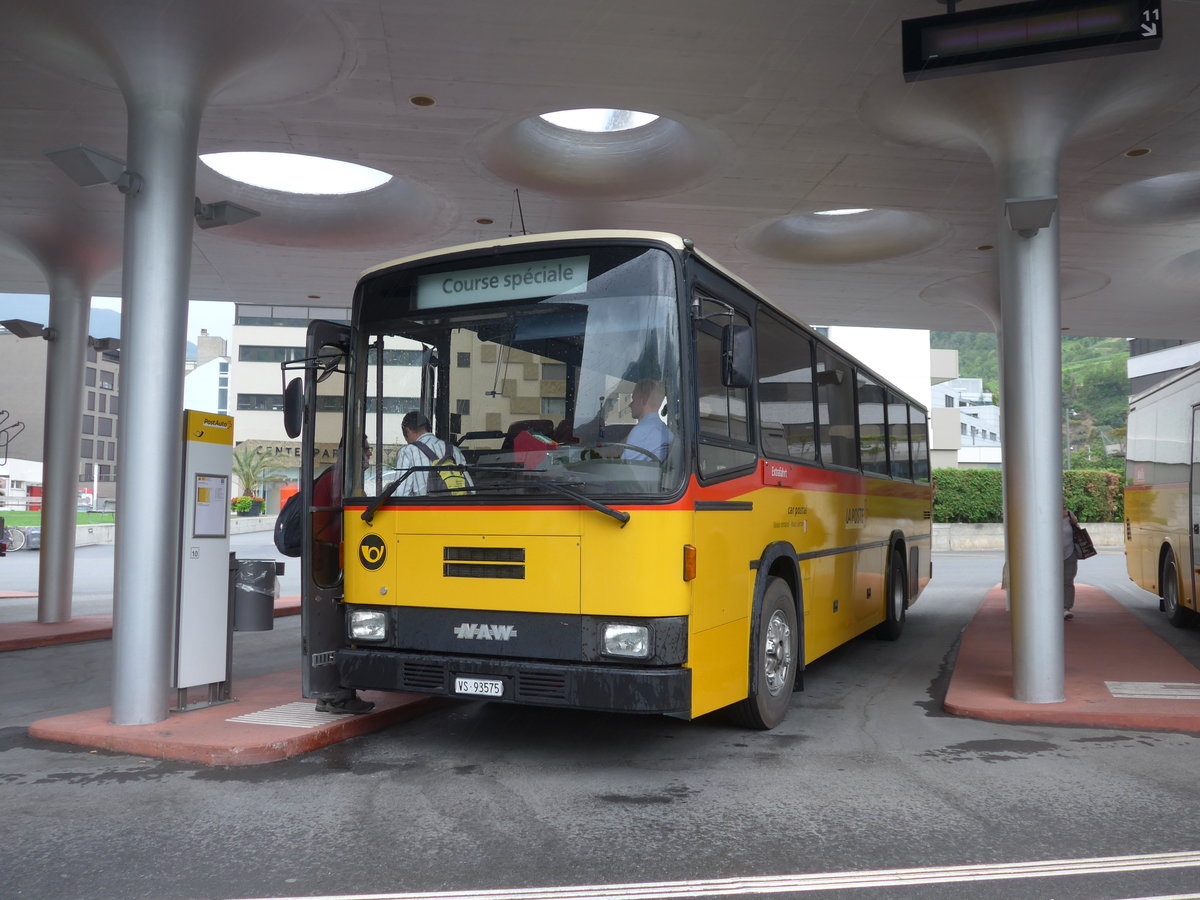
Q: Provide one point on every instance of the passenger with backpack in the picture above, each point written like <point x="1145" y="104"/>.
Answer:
<point x="425" y="449"/>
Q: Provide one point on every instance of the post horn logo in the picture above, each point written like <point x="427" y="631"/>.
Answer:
<point x="372" y="551"/>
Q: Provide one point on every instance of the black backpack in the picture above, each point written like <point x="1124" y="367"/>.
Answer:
<point x="289" y="527"/>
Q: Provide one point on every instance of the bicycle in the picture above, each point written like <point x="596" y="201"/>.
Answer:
<point x="14" y="538"/>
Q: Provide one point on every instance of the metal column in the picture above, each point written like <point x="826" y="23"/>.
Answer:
<point x="163" y="136"/>
<point x="1031" y="370"/>
<point x="70" y="304"/>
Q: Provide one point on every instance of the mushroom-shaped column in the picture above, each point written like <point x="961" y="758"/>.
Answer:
<point x="1022" y="119"/>
<point x="73" y="248"/>
<point x="169" y="62"/>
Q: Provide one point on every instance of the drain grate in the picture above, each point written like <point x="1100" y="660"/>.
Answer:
<point x="1153" y="690"/>
<point x="301" y="714"/>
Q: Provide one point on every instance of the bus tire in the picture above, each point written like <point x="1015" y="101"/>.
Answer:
<point x="774" y="660"/>
<point x="1177" y="615"/>
<point x="895" y="600"/>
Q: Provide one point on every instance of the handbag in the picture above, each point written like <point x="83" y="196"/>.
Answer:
<point x="1084" y="548"/>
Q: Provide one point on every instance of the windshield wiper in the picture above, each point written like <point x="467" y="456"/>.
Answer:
<point x="557" y="486"/>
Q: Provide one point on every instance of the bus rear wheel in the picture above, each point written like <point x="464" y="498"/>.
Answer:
<point x="1176" y="614"/>
<point x="896" y="601"/>
<point x="774" y="660"/>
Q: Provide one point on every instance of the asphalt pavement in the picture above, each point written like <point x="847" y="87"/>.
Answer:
<point x="868" y="789"/>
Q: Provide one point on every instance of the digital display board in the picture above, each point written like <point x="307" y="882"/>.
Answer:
<point x="1027" y="34"/>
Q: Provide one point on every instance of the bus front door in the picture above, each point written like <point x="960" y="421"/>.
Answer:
<point x="321" y="485"/>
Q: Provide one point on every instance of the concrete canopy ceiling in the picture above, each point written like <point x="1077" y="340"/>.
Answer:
<point x="770" y="112"/>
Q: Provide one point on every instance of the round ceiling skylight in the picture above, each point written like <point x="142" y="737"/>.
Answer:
<point x="599" y="121"/>
<point x="295" y="173"/>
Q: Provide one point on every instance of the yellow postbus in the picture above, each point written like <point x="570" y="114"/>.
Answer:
<point x="676" y="495"/>
<point x="1162" y="493"/>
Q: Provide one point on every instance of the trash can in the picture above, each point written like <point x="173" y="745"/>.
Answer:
<point x="254" y="590"/>
<point x="33" y="537"/>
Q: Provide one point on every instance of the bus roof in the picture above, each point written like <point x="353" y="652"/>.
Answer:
<point x="672" y="240"/>
<point x="1186" y="375"/>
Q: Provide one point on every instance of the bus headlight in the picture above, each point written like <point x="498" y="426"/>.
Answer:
<point x="368" y="625"/>
<point x="626" y="640"/>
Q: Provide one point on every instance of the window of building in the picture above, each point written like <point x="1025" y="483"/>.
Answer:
<point x="112" y="403"/>
<point x="91" y="401"/>
<point x="554" y="407"/>
<point x="101" y="402"/>
<point x="85" y="448"/>
<point x="464" y="360"/>
<point x="266" y="402"/>
<point x="462" y="407"/>
<point x="104" y="427"/>
<point x="89" y="376"/>
<point x="91" y="353"/>
<point x="268" y="354"/>
<point x="89" y="424"/>
<point x="108" y="380"/>
<point x="87" y="471"/>
<point x="112" y="450"/>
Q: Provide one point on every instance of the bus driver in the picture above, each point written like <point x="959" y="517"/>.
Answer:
<point x="651" y="432"/>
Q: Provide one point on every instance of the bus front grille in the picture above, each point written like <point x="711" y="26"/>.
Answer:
<point x="541" y="686"/>
<point x="420" y="676"/>
<point x="481" y="570"/>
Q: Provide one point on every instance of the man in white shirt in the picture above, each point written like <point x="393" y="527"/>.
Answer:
<point x="651" y="432"/>
<point x="415" y="429"/>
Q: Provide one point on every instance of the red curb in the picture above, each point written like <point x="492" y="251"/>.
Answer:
<point x="16" y="595"/>
<point x="1103" y="642"/>
<point x="205" y="736"/>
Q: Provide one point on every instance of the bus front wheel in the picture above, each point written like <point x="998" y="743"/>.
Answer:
<point x="1177" y="615"/>
<point x="774" y="659"/>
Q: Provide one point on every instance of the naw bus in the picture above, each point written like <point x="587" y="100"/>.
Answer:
<point x="1162" y="494"/>
<point x="787" y="511"/>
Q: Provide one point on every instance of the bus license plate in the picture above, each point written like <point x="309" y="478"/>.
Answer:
<point x="479" y="687"/>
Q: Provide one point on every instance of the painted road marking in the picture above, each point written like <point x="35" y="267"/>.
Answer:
<point x="1153" y="690"/>
<point x="301" y="714"/>
<point x="824" y="881"/>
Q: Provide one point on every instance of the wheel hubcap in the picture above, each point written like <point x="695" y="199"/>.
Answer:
<point x="778" y="656"/>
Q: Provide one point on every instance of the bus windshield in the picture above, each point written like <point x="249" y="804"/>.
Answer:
<point x="551" y="372"/>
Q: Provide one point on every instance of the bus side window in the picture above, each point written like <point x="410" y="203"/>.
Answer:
<point x="920" y="443"/>
<point x="897" y="425"/>
<point x="785" y="391"/>
<point x="872" y="436"/>
<point x="723" y="411"/>
<point x="835" y="396"/>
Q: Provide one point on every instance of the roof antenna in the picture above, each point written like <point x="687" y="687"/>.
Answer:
<point x="519" y="211"/>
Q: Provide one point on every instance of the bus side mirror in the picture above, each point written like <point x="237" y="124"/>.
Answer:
<point x="737" y="356"/>
<point x="293" y="407"/>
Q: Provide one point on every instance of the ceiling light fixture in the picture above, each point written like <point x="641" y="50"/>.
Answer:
<point x="422" y="100"/>
<point x="87" y="166"/>
<point x="222" y="212"/>
<point x="1137" y="151"/>
<point x="841" y="212"/>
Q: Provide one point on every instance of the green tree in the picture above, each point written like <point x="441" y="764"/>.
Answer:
<point x="255" y="469"/>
